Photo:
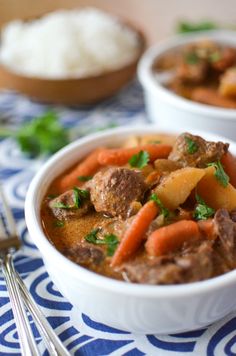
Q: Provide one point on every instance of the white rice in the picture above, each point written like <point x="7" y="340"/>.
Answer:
<point x="67" y="43"/>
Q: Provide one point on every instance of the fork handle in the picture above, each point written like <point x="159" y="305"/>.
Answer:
<point x="53" y="343"/>
<point x="26" y="339"/>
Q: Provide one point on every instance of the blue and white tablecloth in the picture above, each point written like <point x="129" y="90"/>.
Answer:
<point x="82" y="335"/>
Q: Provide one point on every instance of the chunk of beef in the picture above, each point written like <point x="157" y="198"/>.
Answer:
<point x="85" y="254"/>
<point x="113" y="191"/>
<point x="226" y="230"/>
<point x="227" y="58"/>
<point x="204" y="152"/>
<point x="63" y="206"/>
<point x="193" y="73"/>
<point x="194" y="265"/>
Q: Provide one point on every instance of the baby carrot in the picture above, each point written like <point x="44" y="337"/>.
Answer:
<point x="229" y="163"/>
<point x="87" y="167"/>
<point x="134" y="235"/>
<point x="120" y="156"/>
<point x="171" y="237"/>
<point x="212" y="97"/>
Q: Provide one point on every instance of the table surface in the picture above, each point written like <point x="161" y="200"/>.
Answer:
<point x="80" y="334"/>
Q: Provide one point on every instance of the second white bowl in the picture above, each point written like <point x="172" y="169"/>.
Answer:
<point x="169" y="110"/>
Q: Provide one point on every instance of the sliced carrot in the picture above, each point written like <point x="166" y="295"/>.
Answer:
<point x="207" y="229"/>
<point x="171" y="237"/>
<point x="120" y="156"/>
<point x="87" y="167"/>
<point x="212" y="97"/>
<point x="229" y="163"/>
<point x="134" y="235"/>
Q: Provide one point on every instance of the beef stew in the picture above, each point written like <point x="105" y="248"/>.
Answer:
<point x="203" y="71"/>
<point x="158" y="210"/>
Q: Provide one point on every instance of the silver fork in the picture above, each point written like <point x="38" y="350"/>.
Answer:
<point x="19" y="294"/>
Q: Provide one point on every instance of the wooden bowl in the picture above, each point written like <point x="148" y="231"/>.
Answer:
<point x="73" y="91"/>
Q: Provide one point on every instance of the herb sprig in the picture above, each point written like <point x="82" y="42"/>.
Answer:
<point x="84" y="178"/>
<point x="186" y="26"/>
<point x="220" y="174"/>
<point x="110" y="240"/>
<point x="44" y="135"/>
<point x="191" y="58"/>
<point x="78" y="196"/>
<point x="192" y="146"/>
<point x="59" y="223"/>
<point x="139" y="160"/>
<point x="41" y="136"/>
<point x="164" y="210"/>
<point x="202" y="210"/>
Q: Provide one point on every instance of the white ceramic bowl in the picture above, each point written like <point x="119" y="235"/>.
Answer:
<point x="137" y="308"/>
<point x="169" y="110"/>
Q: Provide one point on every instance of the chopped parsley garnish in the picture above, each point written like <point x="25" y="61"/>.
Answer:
<point x="59" y="223"/>
<point x="60" y="205"/>
<point x="79" y="196"/>
<point x="186" y="26"/>
<point x="112" y="243"/>
<point x="110" y="240"/>
<point x="42" y="135"/>
<point x="191" y="58"/>
<point x="202" y="210"/>
<point x="192" y="146"/>
<point x="220" y="174"/>
<point x="84" y="178"/>
<point x="215" y="57"/>
<point x="92" y="236"/>
<point x="139" y="160"/>
<point x="164" y="211"/>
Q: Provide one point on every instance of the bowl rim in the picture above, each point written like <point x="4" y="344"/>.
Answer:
<point x="93" y="279"/>
<point x="147" y="77"/>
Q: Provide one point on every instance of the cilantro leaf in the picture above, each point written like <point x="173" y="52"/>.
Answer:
<point x="192" y="146"/>
<point x="140" y="159"/>
<point x="164" y="210"/>
<point x="59" y="223"/>
<point x="79" y="196"/>
<point x="191" y="58"/>
<point x="84" y="178"/>
<point x="110" y="240"/>
<point x="76" y="197"/>
<point x="202" y="210"/>
<point x="92" y="236"/>
<point x="215" y="57"/>
<point x="61" y="205"/>
<point x="112" y="243"/>
<point x="43" y="135"/>
<point x="186" y="26"/>
<point x="220" y="174"/>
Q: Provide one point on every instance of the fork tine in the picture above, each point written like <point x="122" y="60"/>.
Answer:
<point x="10" y="221"/>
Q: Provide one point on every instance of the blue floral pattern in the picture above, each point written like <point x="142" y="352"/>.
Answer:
<point x="80" y="334"/>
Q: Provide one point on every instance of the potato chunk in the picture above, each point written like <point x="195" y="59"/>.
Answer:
<point x="228" y="83"/>
<point x="214" y="194"/>
<point x="177" y="186"/>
